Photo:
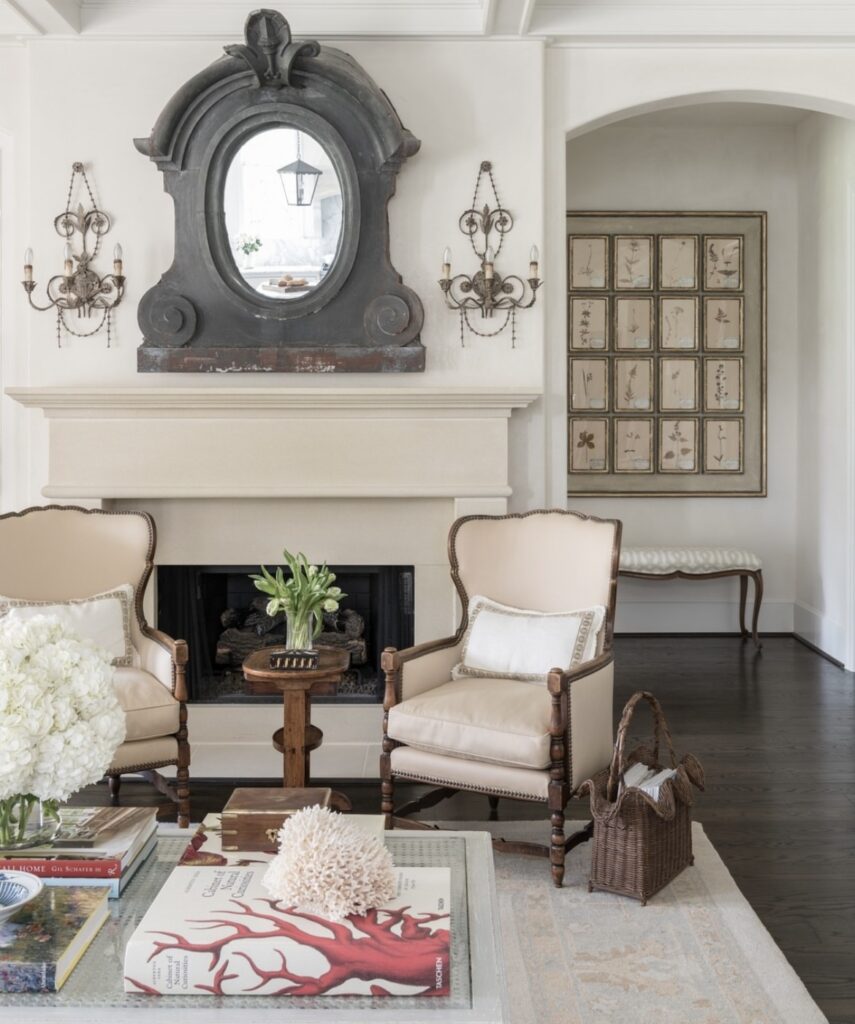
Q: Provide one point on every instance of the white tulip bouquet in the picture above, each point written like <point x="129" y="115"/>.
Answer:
<point x="60" y="721"/>
<point x="303" y="597"/>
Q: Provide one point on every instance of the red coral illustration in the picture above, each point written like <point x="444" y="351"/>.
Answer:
<point x="392" y="946"/>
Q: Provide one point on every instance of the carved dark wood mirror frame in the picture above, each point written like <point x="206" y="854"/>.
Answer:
<point x="201" y="315"/>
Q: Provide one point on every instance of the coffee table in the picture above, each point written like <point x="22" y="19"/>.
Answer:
<point x="93" y="994"/>
<point x="298" y="737"/>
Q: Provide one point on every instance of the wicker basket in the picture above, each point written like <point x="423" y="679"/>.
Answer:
<point x="639" y="844"/>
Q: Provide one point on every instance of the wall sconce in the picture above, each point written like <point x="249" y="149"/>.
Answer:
<point x="79" y="288"/>
<point x="486" y="290"/>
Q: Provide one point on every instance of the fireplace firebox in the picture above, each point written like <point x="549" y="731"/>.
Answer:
<point x="223" y="618"/>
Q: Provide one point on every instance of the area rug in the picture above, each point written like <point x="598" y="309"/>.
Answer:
<point x="696" y="954"/>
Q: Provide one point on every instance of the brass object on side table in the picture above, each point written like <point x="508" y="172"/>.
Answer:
<point x="294" y="660"/>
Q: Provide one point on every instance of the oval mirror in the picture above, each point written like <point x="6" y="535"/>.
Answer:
<point x="283" y="209"/>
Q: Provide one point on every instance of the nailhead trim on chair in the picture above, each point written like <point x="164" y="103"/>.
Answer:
<point x="146" y="767"/>
<point x="434" y="780"/>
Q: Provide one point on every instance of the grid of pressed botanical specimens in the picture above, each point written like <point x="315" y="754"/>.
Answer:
<point x="656" y="354"/>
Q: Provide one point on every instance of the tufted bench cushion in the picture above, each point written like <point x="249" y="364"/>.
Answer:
<point x="663" y="560"/>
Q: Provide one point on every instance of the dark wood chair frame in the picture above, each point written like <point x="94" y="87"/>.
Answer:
<point x="179" y="794"/>
<point x="744" y="575"/>
<point x="559" y="684"/>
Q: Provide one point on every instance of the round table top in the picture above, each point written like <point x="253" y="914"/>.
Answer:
<point x="332" y="660"/>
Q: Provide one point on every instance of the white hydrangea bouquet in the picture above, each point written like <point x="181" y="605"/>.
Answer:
<point x="60" y="721"/>
<point x="304" y="597"/>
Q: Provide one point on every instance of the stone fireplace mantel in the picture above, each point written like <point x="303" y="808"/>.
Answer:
<point x="170" y="442"/>
<point x="355" y="476"/>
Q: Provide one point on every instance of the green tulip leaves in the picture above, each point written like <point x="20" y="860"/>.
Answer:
<point x="305" y="596"/>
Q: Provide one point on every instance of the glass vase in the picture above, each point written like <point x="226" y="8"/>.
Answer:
<point x="300" y="631"/>
<point x="27" y="821"/>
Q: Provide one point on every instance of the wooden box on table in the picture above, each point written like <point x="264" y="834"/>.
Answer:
<point x="252" y="817"/>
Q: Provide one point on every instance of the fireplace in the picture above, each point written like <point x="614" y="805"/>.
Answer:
<point x="415" y="459"/>
<point x="224" y="619"/>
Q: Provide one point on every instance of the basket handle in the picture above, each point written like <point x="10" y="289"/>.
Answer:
<point x="660" y="729"/>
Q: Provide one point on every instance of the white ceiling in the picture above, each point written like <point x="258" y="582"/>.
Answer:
<point x="562" y="22"/>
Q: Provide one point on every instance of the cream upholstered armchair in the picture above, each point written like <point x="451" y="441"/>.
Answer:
<point x="501" y="737"/>
<point x="60" y="553"/>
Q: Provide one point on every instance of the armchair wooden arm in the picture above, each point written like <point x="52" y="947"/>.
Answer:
<point x="560" y="680"/>
<point x="173" y="664"/>
<point x="582" y="698"/>
<point x="435" y="658"/>
<point x="593" y="682"/>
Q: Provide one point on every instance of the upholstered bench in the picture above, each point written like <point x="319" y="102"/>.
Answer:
<point x="700" y="563"/>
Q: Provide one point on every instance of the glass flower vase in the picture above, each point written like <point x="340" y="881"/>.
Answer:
<point x="27" y="821"/>
<point x="300" y="631"/>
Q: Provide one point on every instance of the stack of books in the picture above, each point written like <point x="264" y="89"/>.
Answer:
<point x="97" y="847"/>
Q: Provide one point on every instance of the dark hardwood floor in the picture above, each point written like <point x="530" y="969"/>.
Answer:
<point x="775" y="732"/>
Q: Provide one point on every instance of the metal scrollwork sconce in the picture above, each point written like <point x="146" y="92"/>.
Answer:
<point x="486" y="290"/>
<point x="79" y="288"/>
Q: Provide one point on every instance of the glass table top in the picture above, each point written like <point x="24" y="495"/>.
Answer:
<point x="96" y="981"/>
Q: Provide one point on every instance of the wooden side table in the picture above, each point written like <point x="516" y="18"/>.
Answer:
<point x="298" y="737"/>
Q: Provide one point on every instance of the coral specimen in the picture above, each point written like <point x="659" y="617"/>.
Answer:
<point x="328" y="865"/>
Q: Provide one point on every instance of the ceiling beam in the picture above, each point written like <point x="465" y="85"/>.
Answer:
<point x="526" y="15"/>
<point x="49" y="17"/>
<point x="488" y="16"/>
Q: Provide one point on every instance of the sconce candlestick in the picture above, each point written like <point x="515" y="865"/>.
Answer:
<point x="79" y="287"/>
<point x="486" y="290"/>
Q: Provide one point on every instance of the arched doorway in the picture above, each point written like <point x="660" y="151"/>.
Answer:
<point x="790" y="155"/>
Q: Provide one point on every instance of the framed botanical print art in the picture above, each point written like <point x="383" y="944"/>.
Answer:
<point x="589" y="322"/>
<point x="633" y="323"/>
<point x="666" y="353"/>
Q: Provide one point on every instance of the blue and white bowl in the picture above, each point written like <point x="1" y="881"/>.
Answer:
<point x="17" y="889"/>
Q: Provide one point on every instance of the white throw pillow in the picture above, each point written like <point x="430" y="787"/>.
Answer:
<point x="105" y="619"/>
<point x="512" y="643"/>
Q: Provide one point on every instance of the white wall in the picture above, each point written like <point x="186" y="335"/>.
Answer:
<point x="826" y="388"/>
<point x="513" y="103"/>
<point x="439" y="89"/>
<point x="14" y="198"/>
<point x="699" y="159"/>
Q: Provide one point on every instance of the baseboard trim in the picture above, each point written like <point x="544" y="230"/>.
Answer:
<point x="657" y="612"/>
<point x="820" y="632"/>
<point x="819" y="651"/>
<point x="705" y="634"/>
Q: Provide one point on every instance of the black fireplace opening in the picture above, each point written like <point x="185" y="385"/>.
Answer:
<point x="223" y="618"/>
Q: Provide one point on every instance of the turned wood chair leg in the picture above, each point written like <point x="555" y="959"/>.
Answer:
<point x="182" y="785"/>
<point x="557" y="850"/>
<point x="387" y="793"/>
<point x="115" y="783"/>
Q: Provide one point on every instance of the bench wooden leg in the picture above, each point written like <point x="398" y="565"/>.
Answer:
<point x="743" y="594"/>
<point x="758" y="600"/>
